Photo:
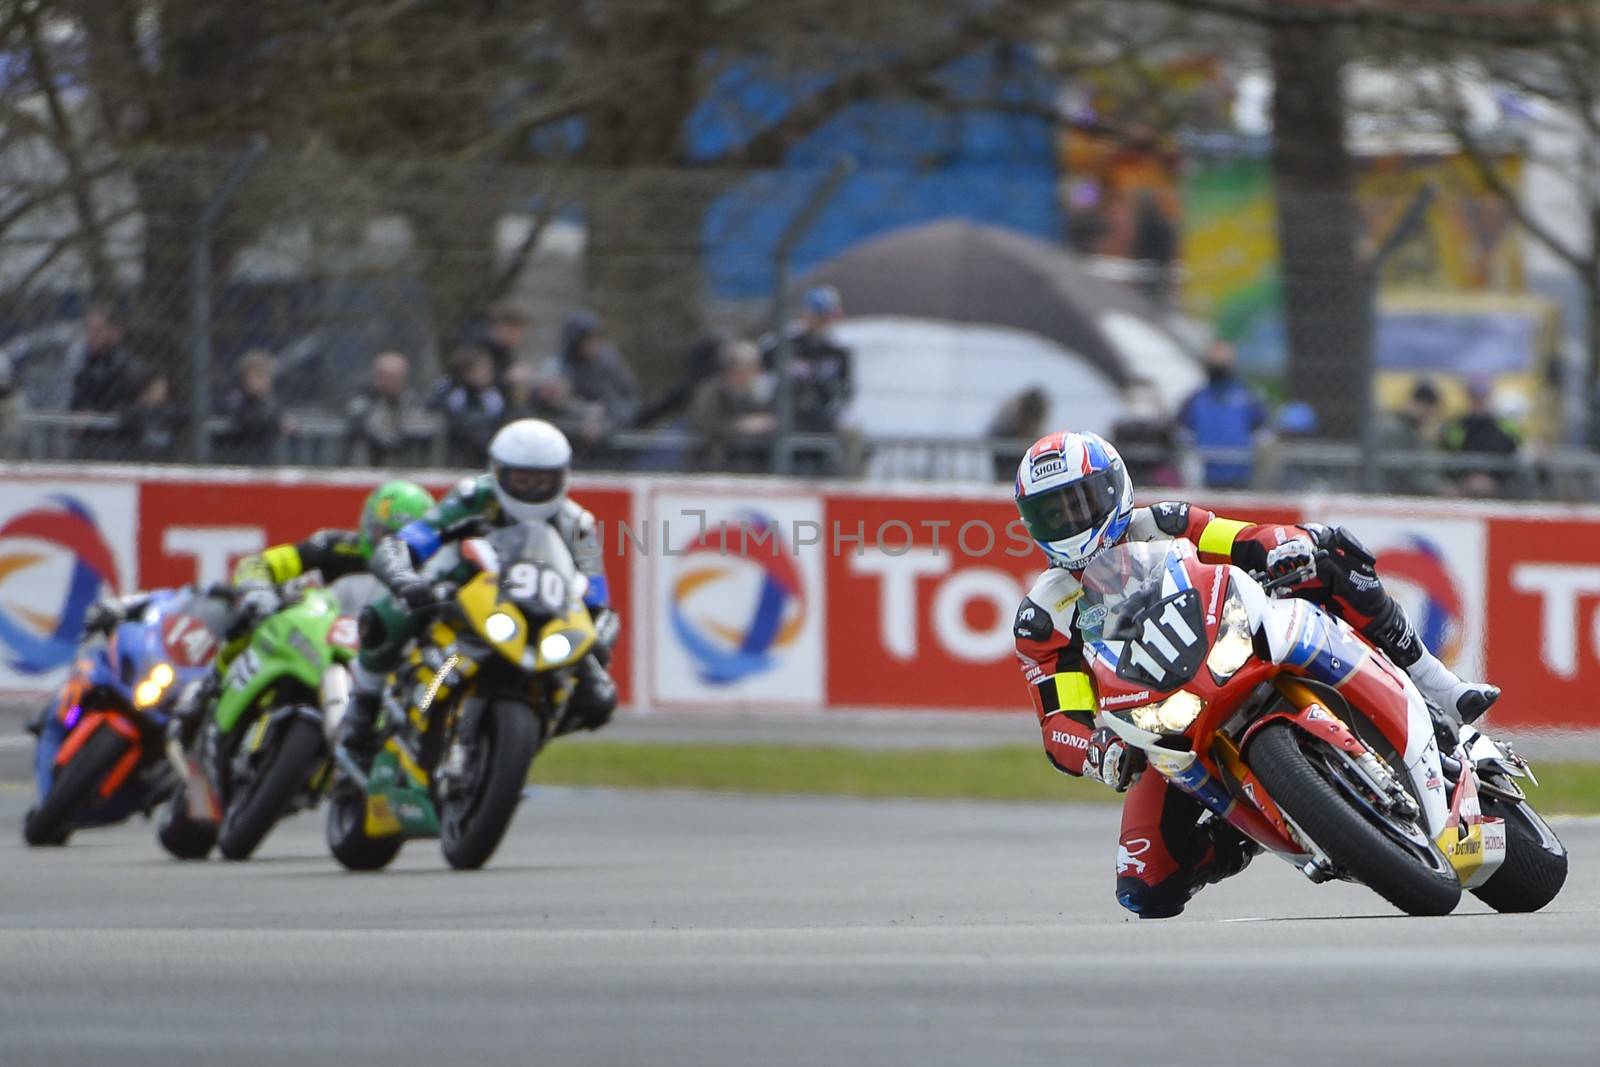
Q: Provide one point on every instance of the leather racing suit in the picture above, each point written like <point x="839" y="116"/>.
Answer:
<point x="1164" y="855"/>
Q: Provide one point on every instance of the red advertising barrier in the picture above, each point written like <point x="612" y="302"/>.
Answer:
<point x="765" y="595"/>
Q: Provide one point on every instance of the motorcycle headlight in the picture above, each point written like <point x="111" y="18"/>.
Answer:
<point x="1233" y="644"/>
<point x="555" y="647"/>
<point x="500" y="627"/>
<point x="1170" y="716"/>
<point x="148" y="693"/>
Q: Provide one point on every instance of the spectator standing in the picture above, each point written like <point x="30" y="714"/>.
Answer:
<point x="254" y="420"/>
<point x="1408" y="431"/>
<point x="384" y="420"/>
<point x="732" y="413"/>
<point x="544" y="393"/>
<point x="1145" y="435"/>
<point x="596" y="371"/>
<point x="110" y="378"/>
<point x="151" y="427"/>
<point x="1155" y="244"/>
<point x="1020" y="421"/>
<point x="10" y="409"/>
<point x="1225" y="413"/>
<point x="504" y="335"/>
<point x="1480" y="432"/>
<point x="702" y="364"/>
<point x="820" y="369"/>
<point x="472" y="405"/>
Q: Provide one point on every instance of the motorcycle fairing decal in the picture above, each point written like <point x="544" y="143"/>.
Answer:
<point x="1323" y="649"/>
<point x="1475" y="844"/>
<point x="397" y="797"/>
<point x="1184" y="770"/>
<point x="1311" y="716"/>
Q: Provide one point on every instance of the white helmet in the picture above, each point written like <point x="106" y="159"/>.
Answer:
<point x="529" y="459"/>
<point x="1074" y="496"/>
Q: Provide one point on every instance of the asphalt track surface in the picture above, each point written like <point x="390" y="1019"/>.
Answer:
<point x="640" y="928"/>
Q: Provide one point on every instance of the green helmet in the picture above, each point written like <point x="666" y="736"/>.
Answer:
<point x="388" y="508"/>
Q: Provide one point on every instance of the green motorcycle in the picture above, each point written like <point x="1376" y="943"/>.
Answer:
<point x="263" y="753"/>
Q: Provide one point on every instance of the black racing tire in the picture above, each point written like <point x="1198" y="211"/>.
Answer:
<point x="50" y="823"/>
<point x="470" y="828"/>
<point x="1531" y="875"/>
<point x="181" y="836"/>
<point x="252" y="813"/>
<point x="347" y="837"/>
<point x="1352" y="841"/>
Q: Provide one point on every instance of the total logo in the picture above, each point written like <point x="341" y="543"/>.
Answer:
<point x="736" y="598"/>
<point x="56" y="547"/>
<point x="1437" y="614"/>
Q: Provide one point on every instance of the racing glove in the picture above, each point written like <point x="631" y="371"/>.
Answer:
<point x="1295" y="554"/>
<point x="251" y="607"/>
<point x="416" y="592"/>
<point x="104" y="615"/>
<point x="1110" y="760"/>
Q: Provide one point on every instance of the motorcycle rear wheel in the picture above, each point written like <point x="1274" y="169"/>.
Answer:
<point x="347" y="835"/>
<point x="73" y="788"/>
<point x="1531" y="874"/>
<point x="1352" y="841"/>
<point x="251" y="816"/>
<point x="470" y="827"/>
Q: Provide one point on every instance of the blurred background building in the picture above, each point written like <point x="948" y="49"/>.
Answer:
<point x="1296" y="246"/>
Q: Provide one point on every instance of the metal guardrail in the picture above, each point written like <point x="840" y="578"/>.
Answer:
<point x="1563" y="474"/>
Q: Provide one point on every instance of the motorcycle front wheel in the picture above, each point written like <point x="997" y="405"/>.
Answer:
<point x="475" y="815"/>
<point x="256" y="808"/>
<point x="1413" y="875"/>
<point x="73" y="788"/>
<point x="1535" y="867"/>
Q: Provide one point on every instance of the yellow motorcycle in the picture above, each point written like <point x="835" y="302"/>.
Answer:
<point x="482" y="689"/>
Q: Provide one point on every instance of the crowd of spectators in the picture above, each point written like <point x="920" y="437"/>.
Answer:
<point x="723" y="412"/>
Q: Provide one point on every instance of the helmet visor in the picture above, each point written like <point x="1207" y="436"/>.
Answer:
<point x="1072" y="509"/>
<point x="531" y="485"/>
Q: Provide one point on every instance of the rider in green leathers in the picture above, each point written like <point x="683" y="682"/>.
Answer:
<point x="529" y="461"/>
<point x="332" y="554"/>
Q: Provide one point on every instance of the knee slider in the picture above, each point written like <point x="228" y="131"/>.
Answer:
<point x="1160" y="901"/>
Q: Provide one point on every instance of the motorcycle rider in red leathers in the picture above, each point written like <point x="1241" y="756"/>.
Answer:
<point x="1076" y="499"/>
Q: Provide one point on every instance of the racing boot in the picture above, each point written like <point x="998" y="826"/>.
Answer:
<point x="593" y="700"/>
<point x="189" y="711"/>
<point x="1459" y="701"/>
<point x="357" y="733"/>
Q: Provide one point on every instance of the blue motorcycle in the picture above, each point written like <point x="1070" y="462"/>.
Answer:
<point x="100" y="756"/>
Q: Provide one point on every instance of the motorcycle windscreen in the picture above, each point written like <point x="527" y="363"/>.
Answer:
<point x="537" y="572"/>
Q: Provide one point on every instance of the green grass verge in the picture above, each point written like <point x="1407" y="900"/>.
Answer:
<point x="1012" y="772"/>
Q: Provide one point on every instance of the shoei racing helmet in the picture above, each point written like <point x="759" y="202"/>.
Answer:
<point x="1074" y="496"/>
<point x="530" y="459"/>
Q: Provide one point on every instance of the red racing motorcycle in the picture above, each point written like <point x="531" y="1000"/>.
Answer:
<point x="1280" y="719"/>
